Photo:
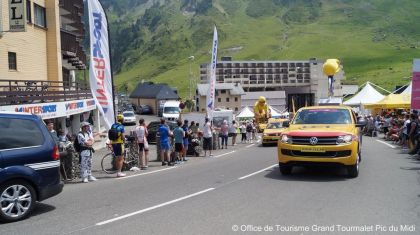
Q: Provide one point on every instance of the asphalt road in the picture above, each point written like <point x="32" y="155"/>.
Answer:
<point x="240" y="189"/>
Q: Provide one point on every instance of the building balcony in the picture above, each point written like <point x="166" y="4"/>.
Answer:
<point x="15" y="92"/>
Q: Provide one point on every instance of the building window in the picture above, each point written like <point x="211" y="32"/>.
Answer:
<point x="28" y="12"/>
<point x="40" y="17"/>
<point x="219" y="99"/>
<point x="227" y="99"/>
<point x="12" y="61"/>
<point x="236" y="109"/>
<point x="223" y="91"/>
<point x="236" y="99"/>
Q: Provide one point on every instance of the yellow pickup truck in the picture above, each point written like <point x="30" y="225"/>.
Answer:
<point x="321" y="135"/>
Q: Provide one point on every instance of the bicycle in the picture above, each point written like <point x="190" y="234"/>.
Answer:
<point x="130" y="157"/>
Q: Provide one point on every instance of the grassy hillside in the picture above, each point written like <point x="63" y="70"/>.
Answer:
<point x="376" y="40"/>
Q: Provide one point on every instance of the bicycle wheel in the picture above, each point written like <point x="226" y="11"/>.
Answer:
<point x="130" y="160"/>
<point x="108" y="164"/>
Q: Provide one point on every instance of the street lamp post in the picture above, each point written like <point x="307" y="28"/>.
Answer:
<point x="191" y="59"/>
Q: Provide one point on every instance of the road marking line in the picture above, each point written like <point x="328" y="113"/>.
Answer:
<point x="390" y="145"/>
<point x="244" y="177"/>
<point x="153" y="207"/>
<point x="221" y="155"/>
<point x="249" y="145"/>
<point x="146" y="173"/>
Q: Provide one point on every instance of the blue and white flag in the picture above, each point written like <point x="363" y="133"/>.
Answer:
<point x="212" y="78"/>
<point x="100" y="64"/>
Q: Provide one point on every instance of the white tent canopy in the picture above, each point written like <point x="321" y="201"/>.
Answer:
<point x="407" y="90"/>
<point x="368" y="95"/>
<point x="245" y="113"/>
<point x="274" y="112"/>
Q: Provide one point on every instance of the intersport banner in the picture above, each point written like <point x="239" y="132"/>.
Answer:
<point x="212" y="81"/>
<point x="100" y="65"/>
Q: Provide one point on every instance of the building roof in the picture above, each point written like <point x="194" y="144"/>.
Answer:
<point x="150" y="90"/>
<point x="266" y="94"/>
<point x="235" y="89"/>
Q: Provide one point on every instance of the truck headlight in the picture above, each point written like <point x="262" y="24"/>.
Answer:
<point x="344" y="139"/>
<point x="285" y="139"/>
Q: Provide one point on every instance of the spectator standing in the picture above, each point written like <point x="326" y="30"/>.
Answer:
<point x="179" y="135"/>
<point x="118" y="144"/>
<point x="243" y="132"/>
<point x="194" y="129"/>
<point x="254" y="130"/>
<point x="224" y="132"/>
<point x="387" y="124"/>
<point x="141" y="137"/>
<point x="413" y="133"/>
<point x="187" y="133"/>
<point x="53" y="133"/>
<point x="165" y="145"/>
<point x="207" y="137"/>
<point x="86" y="141"/>
<point x="233" y="132"/>
<point x="249" y="128"/>
<point x="405" y="131"/>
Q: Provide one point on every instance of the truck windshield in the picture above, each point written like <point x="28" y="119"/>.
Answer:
<point x="171" y="110"/>
<point x="323" y="116"/>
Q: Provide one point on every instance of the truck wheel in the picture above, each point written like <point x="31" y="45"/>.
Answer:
<point x="285" y="170"/>
<point x="17" y="200"/>
<point x="353" y="170"/>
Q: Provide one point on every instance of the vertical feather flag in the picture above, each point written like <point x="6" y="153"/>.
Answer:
<point x="212" y="80"/>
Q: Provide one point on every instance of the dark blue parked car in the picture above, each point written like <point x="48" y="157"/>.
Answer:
<point x="29" y="165"/>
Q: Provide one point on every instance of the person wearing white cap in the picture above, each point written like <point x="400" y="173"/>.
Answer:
<point x="86" y="140"/>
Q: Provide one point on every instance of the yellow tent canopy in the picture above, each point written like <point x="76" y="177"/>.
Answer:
<point x="392" y="101"/>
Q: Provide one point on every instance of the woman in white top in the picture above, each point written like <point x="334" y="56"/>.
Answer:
<point x="141" y="137"/>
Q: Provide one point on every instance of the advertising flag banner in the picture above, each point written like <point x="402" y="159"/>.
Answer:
<point x="415" y="87"/>
<point x="100" y="65"/>
<point x="212" y="81"/>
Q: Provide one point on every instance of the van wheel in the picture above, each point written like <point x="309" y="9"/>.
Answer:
<point x="285" y="170"/>
<point x="353" y="170"/>
<point x="17" y="200"/>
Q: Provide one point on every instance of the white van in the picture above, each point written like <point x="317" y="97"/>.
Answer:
<point x="171" y="110"/>
<point x="222" y="114"/>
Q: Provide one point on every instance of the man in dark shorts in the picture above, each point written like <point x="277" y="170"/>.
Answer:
<point x="179" y="135"/>
<point x="118" y="145"/>
<point x="207" y="137"/>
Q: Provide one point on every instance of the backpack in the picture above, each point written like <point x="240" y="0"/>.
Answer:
<point x="76" y="144"/>
<point x="249" y="128"/>
<point x="113" y="133"/>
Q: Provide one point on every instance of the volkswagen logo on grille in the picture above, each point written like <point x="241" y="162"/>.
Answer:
<point x="313" y="140"/>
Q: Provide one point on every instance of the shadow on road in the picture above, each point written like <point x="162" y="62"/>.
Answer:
<point x="310" y="174"/>
<point x="42" y="208"/>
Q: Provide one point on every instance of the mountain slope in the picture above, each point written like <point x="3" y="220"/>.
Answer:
<point x="376" y="40"/>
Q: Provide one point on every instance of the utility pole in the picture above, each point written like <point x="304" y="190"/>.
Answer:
<point x="191" y="59"/>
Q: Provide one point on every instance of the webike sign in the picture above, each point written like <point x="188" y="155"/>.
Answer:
<point x="17" y="15"/>
<point x="53" y="110"/>
<point x="415" y="87"/>
<point x="212" y="82"/>
<point x="100" y="64"/>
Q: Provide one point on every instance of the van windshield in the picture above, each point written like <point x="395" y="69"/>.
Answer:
<point x="171" y="110"/>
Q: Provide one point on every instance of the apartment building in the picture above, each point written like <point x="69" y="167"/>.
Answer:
<point x="35" y="64"/>
<point x="227" y="95"/>
<point x="297" y="78"/>
<point x="72" y="33"/>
